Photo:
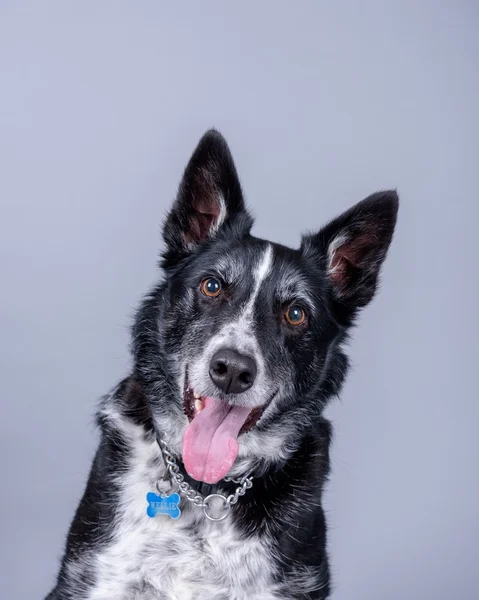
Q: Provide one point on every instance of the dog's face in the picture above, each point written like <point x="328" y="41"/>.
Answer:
<point x="248" y="332"/>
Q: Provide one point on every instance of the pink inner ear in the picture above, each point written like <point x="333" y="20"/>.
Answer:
<point x="353" y="253"/>
<point x="204" y="215"/>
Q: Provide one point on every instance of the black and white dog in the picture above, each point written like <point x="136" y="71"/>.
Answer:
<point x="236" y="353"/>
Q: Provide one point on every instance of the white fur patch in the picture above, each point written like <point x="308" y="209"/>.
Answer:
<point x="336" y="243"/>
<point x="221" y="216"/>
<point x="262" y="271"/>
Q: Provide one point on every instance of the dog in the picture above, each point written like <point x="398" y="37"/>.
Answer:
<point x="207" y="483"/>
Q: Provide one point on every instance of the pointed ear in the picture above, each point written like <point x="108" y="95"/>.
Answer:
<point x="353" y="247"/>
<point x="209" y="198"/>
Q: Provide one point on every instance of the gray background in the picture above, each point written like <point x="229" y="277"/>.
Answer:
<point x="101" y="104"/>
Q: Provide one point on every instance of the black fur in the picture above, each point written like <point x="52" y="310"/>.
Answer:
<point x="332" y="276"/>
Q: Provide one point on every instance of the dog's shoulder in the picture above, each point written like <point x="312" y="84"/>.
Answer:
<point x="120" y="412"/>
<point x="125" y="404"/>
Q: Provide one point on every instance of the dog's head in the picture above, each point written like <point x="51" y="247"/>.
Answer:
<point x="240" y="346"/>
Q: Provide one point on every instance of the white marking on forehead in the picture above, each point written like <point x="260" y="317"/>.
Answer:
<point x="262" y="271"/>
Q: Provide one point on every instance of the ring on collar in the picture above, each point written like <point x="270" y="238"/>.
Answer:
<point x="225" y="509"/>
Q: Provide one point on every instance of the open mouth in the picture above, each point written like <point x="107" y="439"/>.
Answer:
<point x="210" y="442"/>
<point x="194" y="403"/>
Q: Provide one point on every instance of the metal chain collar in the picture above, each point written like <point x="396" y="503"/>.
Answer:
<point x="185" y="489"/>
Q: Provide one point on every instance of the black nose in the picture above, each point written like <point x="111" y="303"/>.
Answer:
<point x="232" y="372"/>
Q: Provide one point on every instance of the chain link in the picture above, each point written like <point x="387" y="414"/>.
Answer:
<point x="195" y="497"/>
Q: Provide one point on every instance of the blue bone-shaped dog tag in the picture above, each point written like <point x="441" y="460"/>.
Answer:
<point x="163" y="505"/>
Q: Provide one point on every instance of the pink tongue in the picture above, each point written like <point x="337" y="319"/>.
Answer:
<point x="210" y="446"/>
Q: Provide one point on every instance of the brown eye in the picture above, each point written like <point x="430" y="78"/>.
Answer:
<point x="295" y="315"/>
<point x="211" y="287"/>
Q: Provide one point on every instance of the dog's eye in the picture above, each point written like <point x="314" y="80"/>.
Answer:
<point x="295" y="315"/>
<point x="211" y="287"/>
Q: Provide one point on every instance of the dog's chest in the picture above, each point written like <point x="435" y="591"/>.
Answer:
<point x="160" y="559"/>
<point x="190" y="558"/>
